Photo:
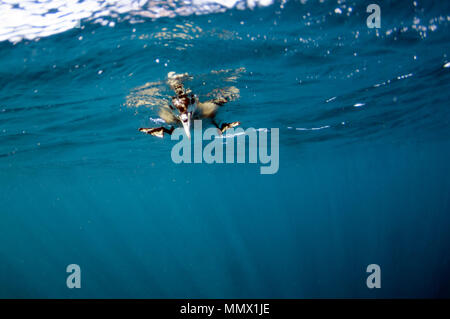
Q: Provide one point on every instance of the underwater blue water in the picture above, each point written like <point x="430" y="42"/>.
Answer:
<point x="363" y="116"/>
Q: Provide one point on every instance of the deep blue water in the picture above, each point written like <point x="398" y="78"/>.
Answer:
<point x="363" y="116"/>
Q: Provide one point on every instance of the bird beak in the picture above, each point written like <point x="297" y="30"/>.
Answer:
<point x="187" y="126"/>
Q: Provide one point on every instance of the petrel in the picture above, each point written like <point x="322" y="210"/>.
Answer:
<point x="186" y="107"/>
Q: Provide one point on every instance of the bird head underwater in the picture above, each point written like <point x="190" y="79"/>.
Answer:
<point x="186" y="107"/>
